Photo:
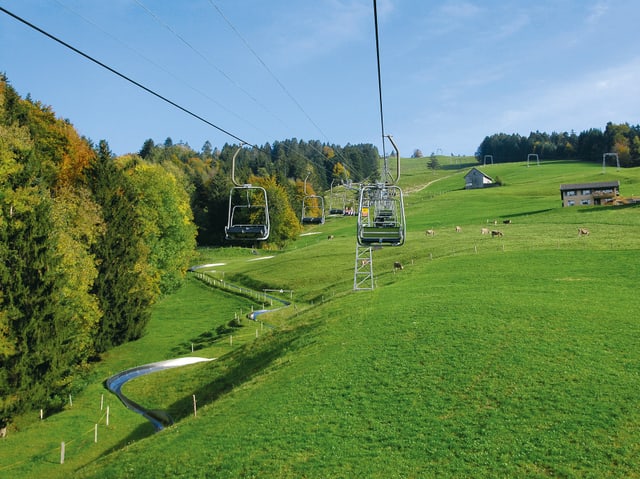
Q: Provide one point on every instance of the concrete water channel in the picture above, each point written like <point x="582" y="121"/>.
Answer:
<point x="161" y="419"/>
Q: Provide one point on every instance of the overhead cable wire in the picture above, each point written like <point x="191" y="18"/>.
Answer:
<point x="207" y="61"/>
<point x="266" y="67"/>
<point x="273" y="75"/>
<point x="375" y="18"/>
<point x="222" y="72"/>
<point x="121" y="75"/>
<point x="160" y="67"/>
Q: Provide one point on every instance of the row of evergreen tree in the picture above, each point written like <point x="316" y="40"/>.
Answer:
<point x="589" y="145"/>
<point x="90" y="241"/>
<point x="289" y="170"/>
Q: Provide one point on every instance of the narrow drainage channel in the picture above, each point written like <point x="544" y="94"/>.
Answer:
<point x="159" y="419"/>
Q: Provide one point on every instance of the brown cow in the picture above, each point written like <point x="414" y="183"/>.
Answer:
<point x="496" y="233"/>
<point x="583" y="232"/>
<point x="430" y="233"/>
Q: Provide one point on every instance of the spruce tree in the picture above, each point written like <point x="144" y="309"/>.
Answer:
<point x="124" y="285"/>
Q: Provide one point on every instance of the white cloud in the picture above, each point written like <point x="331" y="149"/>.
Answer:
<point x="323" y="27"/>
<point x="509" y="29"/>
<point x="611" y="94"/>
<point x="460" y="9"/>
<point x="596" y="11"/>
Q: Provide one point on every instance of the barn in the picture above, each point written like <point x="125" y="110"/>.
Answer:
<point x="477" y="179"/>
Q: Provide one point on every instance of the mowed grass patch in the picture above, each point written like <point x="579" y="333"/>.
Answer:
<point x="483" y="357"/>
<point x="32" y="447"/>
<point x="469" y="372"/>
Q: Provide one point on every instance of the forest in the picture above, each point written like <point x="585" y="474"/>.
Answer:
<point x="91" y="241"/>
<point x="589" y="145"/>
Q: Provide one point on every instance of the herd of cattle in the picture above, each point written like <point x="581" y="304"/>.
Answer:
<point x="458" y="229"/>
<point x="493" y="233"/>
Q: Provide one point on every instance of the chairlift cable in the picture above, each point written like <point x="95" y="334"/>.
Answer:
<point x="157" y="65"/>
<point x="275" y="78"/>
<point x="375" y="18"/>
<point x="121" y="75"/>
<point x="209" y="62"/>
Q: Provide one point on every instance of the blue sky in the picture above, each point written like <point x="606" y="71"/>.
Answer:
<point x="453" y="71"/>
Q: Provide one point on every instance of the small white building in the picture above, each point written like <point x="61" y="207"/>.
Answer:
<point x="477" y="179"/>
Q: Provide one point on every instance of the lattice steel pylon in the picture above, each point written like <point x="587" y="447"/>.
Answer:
<point x="363" y="271"/>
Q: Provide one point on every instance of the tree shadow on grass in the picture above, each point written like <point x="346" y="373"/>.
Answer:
<point x="206" y="339"/>
<point x="526" y="213"/>
<point x="228" y="372"/>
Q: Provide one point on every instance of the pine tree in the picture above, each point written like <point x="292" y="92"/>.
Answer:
<point x="124" y="286"/>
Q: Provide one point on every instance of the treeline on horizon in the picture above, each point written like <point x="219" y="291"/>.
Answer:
<point x="289" y="170"/>
<point x="590" y="145"/>
<point x="90" y="241"/>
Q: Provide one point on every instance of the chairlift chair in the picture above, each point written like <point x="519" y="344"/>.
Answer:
<point x="381" y="216"/>
<point x="312" y="207"/>
<point x="337" y="202"/>
<point x="248" y="214"/>
<point x="248" y="218"/>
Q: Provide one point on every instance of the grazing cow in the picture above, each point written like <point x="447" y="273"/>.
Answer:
<point x="507" y="222"/>
<point x="430" y="233"/>
<point x="484" y="231"/>
<point x="583" y="232"/>
<point x="3" y="432"/>
<point x="397" y="265"/>
<point x="458" y="229"/>
<point x="496" y="233"/>
<point x="330" y="237"/>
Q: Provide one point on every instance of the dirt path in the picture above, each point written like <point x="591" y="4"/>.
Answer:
<point x="426" y="185"/>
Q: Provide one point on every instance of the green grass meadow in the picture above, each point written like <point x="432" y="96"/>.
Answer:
<point x="514" y="356"/>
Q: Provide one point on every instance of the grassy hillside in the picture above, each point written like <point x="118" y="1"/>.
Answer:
<point x="484" y="357"/>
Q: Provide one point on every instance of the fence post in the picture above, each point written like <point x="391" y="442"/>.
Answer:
<point x="62" y="452"/>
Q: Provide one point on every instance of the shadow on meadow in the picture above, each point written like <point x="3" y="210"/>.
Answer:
<point x="229" y="372"/>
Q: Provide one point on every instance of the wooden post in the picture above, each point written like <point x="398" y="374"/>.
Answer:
<point x="95" y="434"/>
<point x="256" y="333"/>
<point x="195" y="408"/>
<point x="41" y="414"/>
<point x="107" y="421"/>
<point x="70" y="401"/>
<point x="101" y="401"/>
<point x="62" y="452"/>
<point x="231" y="340"/>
